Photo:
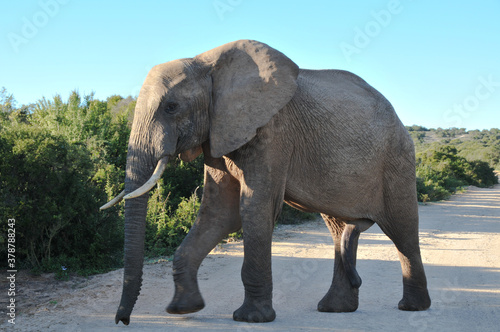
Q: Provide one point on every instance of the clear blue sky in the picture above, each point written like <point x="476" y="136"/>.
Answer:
<point x="438" y="62"/>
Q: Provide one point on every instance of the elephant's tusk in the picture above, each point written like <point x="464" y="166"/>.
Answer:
<point x="114" y="201"/>
<point x="160" y="168"/>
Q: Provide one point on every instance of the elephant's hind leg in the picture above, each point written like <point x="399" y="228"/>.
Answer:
<point x="404" y="234"/>
<point x="344" y="290"/>
<point x="348" y="248"/>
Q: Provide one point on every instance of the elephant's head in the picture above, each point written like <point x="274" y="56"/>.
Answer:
<point x="221" y="97"/>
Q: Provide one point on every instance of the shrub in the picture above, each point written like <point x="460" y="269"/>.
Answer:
<point x="46" y="186"/>
<point x="180" y="179"/>
<point x="165" y="229"/>
<point x="441" y="172"/>
<point x="481" y="174"/>
<point x="429" y="191"/>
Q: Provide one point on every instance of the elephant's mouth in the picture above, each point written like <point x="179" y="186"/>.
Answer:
<point x="158" y="172"/>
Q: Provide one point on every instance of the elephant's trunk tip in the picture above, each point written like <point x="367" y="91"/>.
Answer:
<point x="122" y="316"/>
<point x="125" y="320"/>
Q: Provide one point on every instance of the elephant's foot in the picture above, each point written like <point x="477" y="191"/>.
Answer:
<point x="340" y="301"/>
<point x="255" y="312"/>
<point x="415" y="299"/>
<point x="186" y="303"/>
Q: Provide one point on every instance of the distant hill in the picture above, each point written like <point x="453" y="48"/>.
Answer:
<point x="481" y="145"/>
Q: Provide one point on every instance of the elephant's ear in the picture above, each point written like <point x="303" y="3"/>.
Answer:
<point x="251" y="83"/>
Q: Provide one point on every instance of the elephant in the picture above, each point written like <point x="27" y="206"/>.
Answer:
<point x="322" y="141"/>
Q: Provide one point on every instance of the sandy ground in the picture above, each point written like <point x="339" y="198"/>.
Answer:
<point x="460" y="241"/>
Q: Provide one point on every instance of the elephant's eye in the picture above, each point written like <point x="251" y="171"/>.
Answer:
<point x="171" y="107"/>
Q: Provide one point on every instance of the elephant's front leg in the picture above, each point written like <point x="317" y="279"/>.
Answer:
<point x="258" y="212"/>
<point x="218" y="216"/>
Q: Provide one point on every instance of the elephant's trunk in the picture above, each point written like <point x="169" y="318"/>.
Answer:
<point x="135" y="220"/>
<point x="135" y="225"/>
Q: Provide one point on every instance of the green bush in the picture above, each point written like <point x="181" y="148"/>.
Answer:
<point x="441" y="172"/>
<point x="60" y="161"/>
<point x="46" y="187"/>
<point x="429" y="191"/>
<point x="173" y="206"/>
<point x="165" y="227"/>
<point x="181" y="179"/>
<point x="481" y="174"/>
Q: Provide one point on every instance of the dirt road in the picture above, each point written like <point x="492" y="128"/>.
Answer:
<point x="460" y="246"/>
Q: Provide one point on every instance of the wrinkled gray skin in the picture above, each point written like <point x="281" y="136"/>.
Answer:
<point x="322" y="141"/>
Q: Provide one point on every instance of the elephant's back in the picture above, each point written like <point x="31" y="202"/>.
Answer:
<point x="348" y="130"/>
<point x="341" y="104"/>
<point x="345" y="93"/>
